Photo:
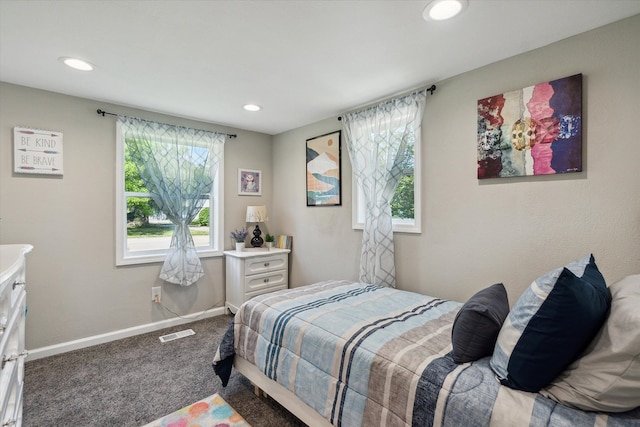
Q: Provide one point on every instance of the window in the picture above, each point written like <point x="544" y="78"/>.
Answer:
<point x="143" y="233"/>
<point x="405" y="205"/>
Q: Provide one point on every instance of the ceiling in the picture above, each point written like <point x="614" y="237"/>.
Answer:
<point x="302" y="61"/>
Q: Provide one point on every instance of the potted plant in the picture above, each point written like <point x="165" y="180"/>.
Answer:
<point x="239" y="236"/>
<point x="269" y="239"/>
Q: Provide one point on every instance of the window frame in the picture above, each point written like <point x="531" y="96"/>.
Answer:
<point x="123" y="256"/>
<point x="400" y="225"/>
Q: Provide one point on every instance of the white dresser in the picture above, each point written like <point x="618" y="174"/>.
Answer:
<point x="13" y="304"/>
<point x="254" y="272"/>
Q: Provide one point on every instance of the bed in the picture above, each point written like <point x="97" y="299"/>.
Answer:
<point x="353" y="354"/>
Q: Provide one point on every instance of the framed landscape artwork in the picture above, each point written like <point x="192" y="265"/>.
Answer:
<point x="324" y="170"/>
<point x="249" y="182"/>
<point x="536" y="130"/>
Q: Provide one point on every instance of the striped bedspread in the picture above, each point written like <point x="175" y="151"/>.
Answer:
<point x="364" y="355"/>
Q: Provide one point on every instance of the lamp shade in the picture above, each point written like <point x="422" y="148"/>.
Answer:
<point x="257" y="214"/>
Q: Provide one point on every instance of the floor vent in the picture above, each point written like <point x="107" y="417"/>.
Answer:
<point x="177" y="335"/>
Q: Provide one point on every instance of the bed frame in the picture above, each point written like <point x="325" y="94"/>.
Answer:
<point x="267" y="387"/>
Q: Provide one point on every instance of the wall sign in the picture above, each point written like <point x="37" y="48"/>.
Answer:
<point x="37" y="151"/>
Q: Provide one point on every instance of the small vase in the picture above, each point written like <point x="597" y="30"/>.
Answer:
<point x="239" y="246"/>
<point x="269" y="245"/>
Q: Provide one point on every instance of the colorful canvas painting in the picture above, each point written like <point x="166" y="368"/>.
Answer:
<point x="323" y="170"/>
<point x="532" y="131"/>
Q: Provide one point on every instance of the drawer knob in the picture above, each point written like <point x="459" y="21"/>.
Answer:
<point x="13" y="357"/>
<point x="266" y="264"/>
<point x="18" y="283"/>
<point x="266" y="280"/>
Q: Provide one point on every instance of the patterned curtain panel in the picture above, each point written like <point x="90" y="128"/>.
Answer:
<point x="177" y="165"/>
<point x="378" y="141"/>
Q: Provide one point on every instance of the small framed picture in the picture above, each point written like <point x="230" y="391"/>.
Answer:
<point x="249" y="182"/>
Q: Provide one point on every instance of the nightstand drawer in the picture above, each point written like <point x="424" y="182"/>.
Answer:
<point x="250" y="295"/>
<point x="258" y="282"/>
<point x="265" y="264"/>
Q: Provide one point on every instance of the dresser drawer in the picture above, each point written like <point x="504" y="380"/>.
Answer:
<point x="11" y="402"/>
<point x="9" y="385"/>
<point x="11" y="337"/>
<point x="12" y="280"/>
<point x="13" y="411"/>
<point x="11" y="291"/>
<point x="265" y="264"/>
<point x="264" y="281"/>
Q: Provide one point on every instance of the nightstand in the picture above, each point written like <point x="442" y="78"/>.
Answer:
<point x="254" y="271"/>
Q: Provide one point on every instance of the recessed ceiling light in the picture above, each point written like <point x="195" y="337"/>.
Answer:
<point x="76" y="63"/>
<point x="439" y="10"/>
<point x="252" y="107"/>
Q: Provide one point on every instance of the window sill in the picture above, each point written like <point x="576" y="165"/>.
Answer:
<point x="397" y="228"/>
<point x="160" y="257"/>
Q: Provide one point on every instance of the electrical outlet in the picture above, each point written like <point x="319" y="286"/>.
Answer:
<point x="156" y="293"/>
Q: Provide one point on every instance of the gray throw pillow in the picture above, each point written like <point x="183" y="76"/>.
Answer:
<point x="477" y="324"/>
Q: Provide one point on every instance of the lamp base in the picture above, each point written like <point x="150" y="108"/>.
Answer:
<point x="257" y="241"/>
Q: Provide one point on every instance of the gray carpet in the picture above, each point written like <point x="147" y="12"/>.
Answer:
<point x="136" y="380"/>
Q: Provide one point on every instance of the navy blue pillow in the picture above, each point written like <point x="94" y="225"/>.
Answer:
<point x="477" y="324"/>
<point x="557" y="331"/>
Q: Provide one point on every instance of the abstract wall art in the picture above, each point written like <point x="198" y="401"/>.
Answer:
<point x="536" y="130"/>
<point x="324" y="170"/>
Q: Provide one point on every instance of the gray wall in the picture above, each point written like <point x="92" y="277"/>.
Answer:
<point x="74" y="289"/>
<point x="476" y="233"/>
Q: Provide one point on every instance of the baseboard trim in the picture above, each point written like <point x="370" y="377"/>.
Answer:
<point x="52" y="350"/>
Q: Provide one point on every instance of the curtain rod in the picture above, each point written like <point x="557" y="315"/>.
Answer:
<point x="102" y="113"/>
<point x="430" y="89"/>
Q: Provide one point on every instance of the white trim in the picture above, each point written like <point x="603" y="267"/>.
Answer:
<point x="216" y="224"/>
<point x="121" y="203"/>
<point x="161" y="255"/>
<point x="52" y="350"/>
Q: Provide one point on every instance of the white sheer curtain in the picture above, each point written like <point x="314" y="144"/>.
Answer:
<point x="377" y="139"/>
<point x="177" y="165"/>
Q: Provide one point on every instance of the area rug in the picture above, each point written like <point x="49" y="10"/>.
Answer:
<point x="212" y="411"/>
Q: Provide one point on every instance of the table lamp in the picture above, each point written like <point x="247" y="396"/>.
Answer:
<point x="257" y="214"/>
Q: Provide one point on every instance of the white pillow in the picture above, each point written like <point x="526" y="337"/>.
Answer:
<point x="607" y="377"/>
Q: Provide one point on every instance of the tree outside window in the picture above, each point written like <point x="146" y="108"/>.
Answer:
<point x="402" y="204"/>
